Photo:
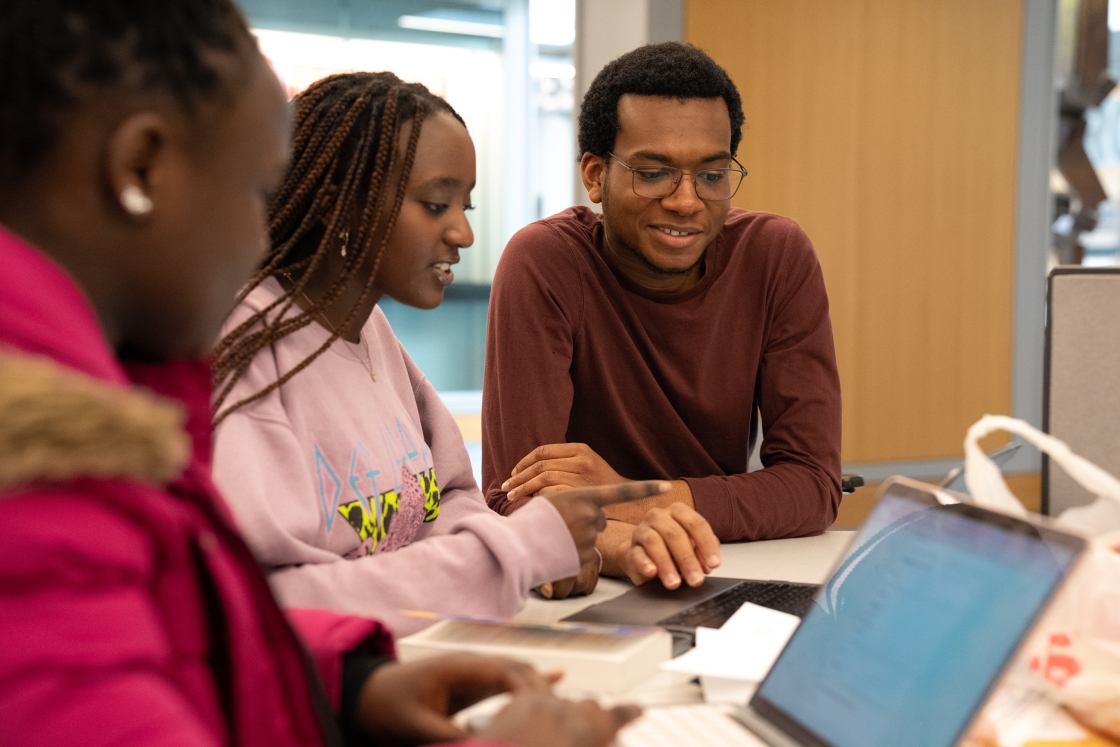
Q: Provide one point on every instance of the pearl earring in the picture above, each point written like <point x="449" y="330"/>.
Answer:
<point x="345" y="236"/>
<point x="134" y="201"/>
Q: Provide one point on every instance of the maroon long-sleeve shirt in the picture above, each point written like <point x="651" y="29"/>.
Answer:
<point x="665" y="386"/>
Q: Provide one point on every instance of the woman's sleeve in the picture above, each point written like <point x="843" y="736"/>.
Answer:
<point x="470" y="562"/>
<point x="479" y="567"/>
<point x="261" y="470"/>
<point x="460" y="493"/>
<point x="332" y="638"/>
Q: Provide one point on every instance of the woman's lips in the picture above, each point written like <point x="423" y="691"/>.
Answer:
<point x="444" y="273"/>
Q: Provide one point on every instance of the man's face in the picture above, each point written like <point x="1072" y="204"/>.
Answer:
<point x="670" y="234"/>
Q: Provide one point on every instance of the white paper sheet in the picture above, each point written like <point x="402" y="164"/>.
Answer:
<point x="743" y="649"/>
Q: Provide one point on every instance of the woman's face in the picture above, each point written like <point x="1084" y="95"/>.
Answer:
<point x="213" y="228"/>
<point x="432" y="225"/>
<point x="163" y="279"/>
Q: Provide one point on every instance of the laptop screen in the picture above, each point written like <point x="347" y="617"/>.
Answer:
<point x="917" y="622"/>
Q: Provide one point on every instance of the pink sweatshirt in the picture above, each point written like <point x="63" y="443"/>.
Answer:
<point x="356" y="493"/>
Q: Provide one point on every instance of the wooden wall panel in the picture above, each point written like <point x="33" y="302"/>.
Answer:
<point x="855" y="508"/>
<point x="887" y="128"/>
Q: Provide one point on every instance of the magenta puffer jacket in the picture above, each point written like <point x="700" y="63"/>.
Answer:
<point x="130" y="610"/>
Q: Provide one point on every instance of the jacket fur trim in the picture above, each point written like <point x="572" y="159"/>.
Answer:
<point x="57" y="424"/>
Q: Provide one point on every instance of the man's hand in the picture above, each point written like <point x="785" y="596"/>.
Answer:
<point x="540" y="719"/>
<point x="582" y="510"/>
<point x="412" y="703"/>
<point x="669" y="544"/>
<point x="635" y="511"/>
<point x="559" y="465"/>
<point x="575" y="586"/>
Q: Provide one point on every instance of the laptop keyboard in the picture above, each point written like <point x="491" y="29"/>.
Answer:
<point x="686" y="726"/>
<point x="796" y="599"/>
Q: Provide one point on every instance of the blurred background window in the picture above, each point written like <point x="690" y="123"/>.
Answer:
<point x="1086" y="178"/>
<point x="1101" y="245"/>
<point x="514" y="70"/>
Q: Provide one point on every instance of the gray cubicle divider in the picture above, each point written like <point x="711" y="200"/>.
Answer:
<point x="1081" y="387"/>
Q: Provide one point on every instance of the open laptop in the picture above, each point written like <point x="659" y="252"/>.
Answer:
<point x="914" y="628"/>
<point x="684" y="609"/>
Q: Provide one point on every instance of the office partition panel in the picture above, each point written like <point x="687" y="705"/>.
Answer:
<point x="1082" y="376"/>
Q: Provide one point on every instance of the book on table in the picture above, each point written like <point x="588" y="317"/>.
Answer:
<point x="593" y="658"/>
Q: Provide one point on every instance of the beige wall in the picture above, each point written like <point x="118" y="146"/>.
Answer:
<point x="887" y="128"/>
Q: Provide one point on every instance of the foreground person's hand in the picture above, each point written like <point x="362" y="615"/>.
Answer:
<point x="671" y="543"/>
<point x="540" y="719"/>
<point x="412" y="703"/>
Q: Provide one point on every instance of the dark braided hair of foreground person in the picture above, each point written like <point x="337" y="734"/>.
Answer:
<point x="346" y="154"/>
<point x="56" y="53"/>
<point x="672" y="70"/>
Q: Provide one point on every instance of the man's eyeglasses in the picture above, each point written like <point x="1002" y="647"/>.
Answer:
<point x="658" y="182"/>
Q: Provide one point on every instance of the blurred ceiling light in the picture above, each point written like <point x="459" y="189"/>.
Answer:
<point x="451" y="26"/>
<point x="560" y="70"/>
<point x="552" y="22"/>
<point x="1113" y="15"/>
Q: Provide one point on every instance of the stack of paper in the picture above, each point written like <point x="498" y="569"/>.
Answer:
<point x="732" y="661"/>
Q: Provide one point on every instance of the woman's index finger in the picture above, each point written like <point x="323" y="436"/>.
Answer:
<point x="608" y="495"/>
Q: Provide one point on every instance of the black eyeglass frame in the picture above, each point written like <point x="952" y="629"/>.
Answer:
<point x="681" y="174"/>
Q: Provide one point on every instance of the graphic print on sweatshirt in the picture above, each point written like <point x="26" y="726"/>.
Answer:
<point x="386" y="495"/>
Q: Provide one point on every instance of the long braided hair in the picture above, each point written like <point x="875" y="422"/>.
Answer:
<point x="345" y="154"/>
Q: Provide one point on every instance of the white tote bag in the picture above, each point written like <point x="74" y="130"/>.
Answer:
<point x="1075" y="648"/>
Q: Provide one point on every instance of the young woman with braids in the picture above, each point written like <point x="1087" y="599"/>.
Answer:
<point x="137" y="143"/>
<point x="346" y="474"/>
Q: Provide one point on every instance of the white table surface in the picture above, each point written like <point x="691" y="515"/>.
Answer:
<point x="805" y="559"/>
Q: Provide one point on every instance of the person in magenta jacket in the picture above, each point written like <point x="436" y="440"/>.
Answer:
<point x="137" y="143"/>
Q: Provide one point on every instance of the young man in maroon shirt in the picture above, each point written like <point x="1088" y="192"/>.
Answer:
<point x="640" y="343"/>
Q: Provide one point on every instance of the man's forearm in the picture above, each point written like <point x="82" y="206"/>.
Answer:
<point x="634" y="512"/>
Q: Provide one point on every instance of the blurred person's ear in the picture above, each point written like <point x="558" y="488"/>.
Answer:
<point x="135" y="159"/>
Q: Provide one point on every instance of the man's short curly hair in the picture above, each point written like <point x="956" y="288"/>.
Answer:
<point x="671" y="69"/>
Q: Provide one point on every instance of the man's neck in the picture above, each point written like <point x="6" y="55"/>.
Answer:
<point x="633" y="265"/>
